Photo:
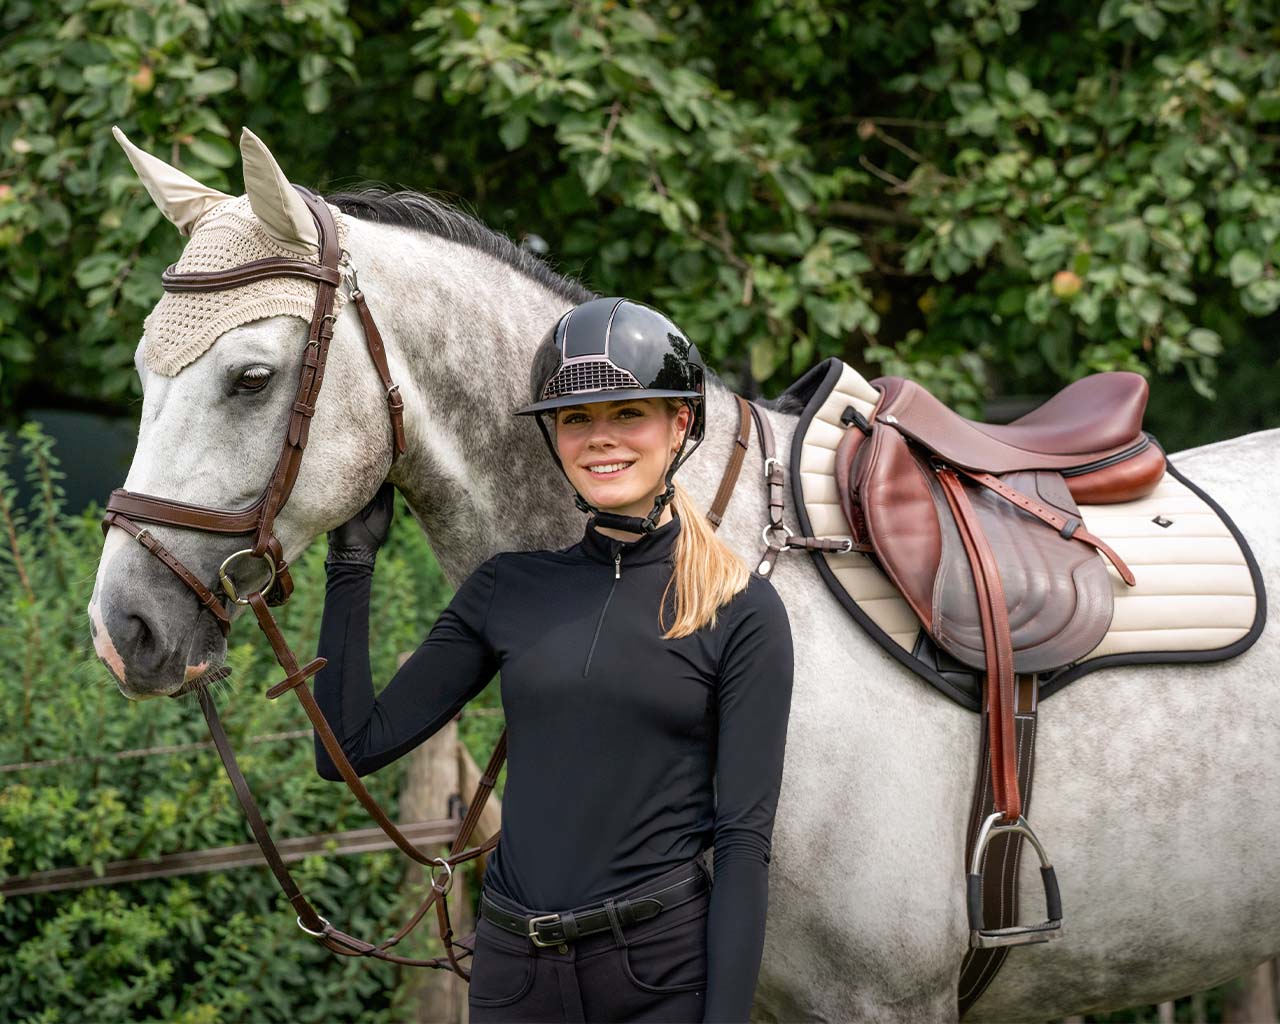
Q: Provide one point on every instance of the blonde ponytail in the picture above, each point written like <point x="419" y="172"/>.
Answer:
<point x="708" y="573"/>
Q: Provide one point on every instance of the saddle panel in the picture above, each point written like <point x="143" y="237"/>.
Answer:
<point x="1121" y="480"/>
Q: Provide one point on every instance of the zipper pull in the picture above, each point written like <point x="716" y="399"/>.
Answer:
<point x="617" y="566"/>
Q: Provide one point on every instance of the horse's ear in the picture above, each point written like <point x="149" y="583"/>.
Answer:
<point x="179" y="196"/>
<point x="275" y="202"/>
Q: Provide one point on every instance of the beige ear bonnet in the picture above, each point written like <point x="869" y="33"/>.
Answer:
<point x="184" y="325"/>
<point x="269" y="220"/>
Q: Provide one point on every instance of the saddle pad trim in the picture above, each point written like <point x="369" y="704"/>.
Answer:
<point x="826" y="374"/>
<point x="812" y="390"/>
<point x="1052" y="682"/>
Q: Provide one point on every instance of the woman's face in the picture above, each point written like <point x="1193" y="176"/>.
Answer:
<point x="633" y="439"/>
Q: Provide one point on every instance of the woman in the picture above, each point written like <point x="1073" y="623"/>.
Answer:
<point x="646" y="682"/>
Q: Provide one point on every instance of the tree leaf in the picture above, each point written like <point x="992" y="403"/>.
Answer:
<point x="514" y="131"/>
<point x="597" y="174"/>
<point x="212" y="81"/>
<point x="1205" y="341"/>
<point x="1245" y="268"/>
<point x="213" y="150"/>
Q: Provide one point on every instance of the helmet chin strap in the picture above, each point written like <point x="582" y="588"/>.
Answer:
<point x="632" y="524"/>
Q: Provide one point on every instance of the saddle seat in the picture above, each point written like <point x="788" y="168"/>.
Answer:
<point x="1090" y="420"/>
<point x="1088" y="415"/>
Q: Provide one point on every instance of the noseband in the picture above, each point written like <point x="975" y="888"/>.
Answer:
<point x="126" y="509"/>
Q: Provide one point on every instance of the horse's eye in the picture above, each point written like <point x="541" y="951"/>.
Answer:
<point x="254" y="379"/>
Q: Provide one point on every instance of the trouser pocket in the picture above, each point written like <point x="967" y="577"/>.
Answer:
<point x="669" y="952"/>
<point x="501" y="971"/>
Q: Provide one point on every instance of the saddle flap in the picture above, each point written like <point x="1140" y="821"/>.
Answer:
<point x="901" y="517"/>
<point x="1057" y="591"/>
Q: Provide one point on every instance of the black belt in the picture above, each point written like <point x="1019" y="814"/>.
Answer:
<point x="566" y="926"/>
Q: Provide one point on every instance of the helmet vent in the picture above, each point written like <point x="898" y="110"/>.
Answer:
<point x="588" y="375"/>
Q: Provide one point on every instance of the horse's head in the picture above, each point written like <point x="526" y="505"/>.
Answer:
<point x="220" y="372"/>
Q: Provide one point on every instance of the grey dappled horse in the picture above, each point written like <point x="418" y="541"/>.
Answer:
<point x="1157" y="788"/>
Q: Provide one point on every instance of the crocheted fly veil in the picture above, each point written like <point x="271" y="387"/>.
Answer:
<point x="183" y="325"/>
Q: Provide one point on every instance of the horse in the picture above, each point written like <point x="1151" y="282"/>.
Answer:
<point x="1157" y="784"/>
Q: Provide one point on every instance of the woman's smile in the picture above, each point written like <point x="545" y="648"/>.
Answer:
<point x="608" y="470"/>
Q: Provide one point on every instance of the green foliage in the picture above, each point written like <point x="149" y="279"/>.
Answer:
<point x="205" y="948"/>
<point x="991" y="194"/>
<point x="1109" y="196"/>
<point x="84" y="245"/>
<point x="668" y="182"/>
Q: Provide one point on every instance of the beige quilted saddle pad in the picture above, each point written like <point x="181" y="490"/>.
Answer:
<point x="1198" y="588"/>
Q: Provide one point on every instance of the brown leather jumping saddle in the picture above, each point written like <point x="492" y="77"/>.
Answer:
<point x="963" y="515"/>
<point x="962" y="548"/>
<point x="978" y="527"/>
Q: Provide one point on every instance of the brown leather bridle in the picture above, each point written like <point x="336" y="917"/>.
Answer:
<point x="126" y="509"/>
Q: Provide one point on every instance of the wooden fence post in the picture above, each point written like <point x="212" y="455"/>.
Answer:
<point x="1255" y="1001"/>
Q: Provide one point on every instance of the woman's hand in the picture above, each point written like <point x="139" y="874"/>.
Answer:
<point x="358" y="539"/>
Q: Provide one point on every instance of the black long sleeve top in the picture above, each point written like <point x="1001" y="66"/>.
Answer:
<point x="627" y="753"/>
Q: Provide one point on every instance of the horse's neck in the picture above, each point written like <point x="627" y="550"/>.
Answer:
<point x="460" y="327"/>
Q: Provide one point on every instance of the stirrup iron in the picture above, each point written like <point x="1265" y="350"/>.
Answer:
<point x="1017" y="935"/>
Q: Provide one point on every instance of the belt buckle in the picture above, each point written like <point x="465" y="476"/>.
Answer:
<point x="533" y="930"/>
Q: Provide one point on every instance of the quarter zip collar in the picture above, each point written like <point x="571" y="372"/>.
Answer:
<point x="653" y="547"/>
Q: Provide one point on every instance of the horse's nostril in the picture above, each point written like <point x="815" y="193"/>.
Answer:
<point x="139" y="642"/>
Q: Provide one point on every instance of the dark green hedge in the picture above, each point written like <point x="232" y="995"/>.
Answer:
<point x="212" y="947"/>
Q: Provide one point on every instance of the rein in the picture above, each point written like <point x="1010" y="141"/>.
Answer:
<point x="127" y="509"/>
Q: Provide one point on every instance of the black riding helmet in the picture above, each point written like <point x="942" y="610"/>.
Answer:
<point x="609" y="349"/>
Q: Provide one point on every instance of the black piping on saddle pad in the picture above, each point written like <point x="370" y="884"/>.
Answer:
<point x="962" y="684"/>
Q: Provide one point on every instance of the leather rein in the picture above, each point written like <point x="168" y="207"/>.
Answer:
<point x="126" y="509"/>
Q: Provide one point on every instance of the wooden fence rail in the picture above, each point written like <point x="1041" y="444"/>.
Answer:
<point x="224" y="858"/>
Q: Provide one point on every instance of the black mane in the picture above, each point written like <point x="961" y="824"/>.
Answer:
<point x="787" y="404"/>
<point x="408" y="209"/>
